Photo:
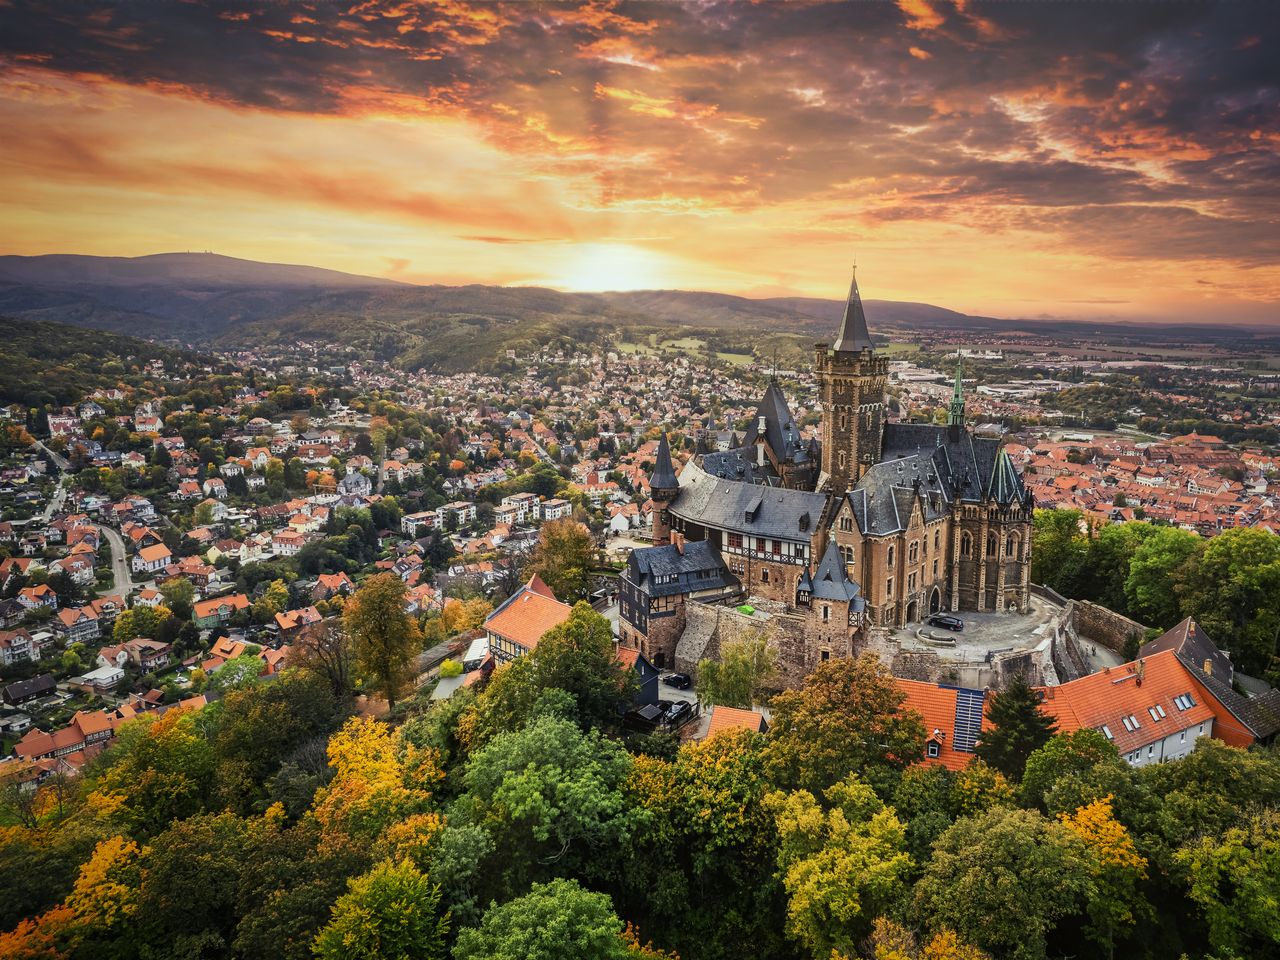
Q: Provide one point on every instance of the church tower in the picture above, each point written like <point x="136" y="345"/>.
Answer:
<point x="851" y="388"/>
<point x="955" y="418"/>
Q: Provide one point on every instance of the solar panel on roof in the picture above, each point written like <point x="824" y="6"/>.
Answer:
<point x="968" y="718"/>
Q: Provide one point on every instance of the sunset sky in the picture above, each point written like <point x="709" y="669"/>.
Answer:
<point x="1012" y="159"/>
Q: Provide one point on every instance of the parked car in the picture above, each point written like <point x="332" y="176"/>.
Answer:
<point x="681" y="681"/>
<point x="663" y="705"/>
<point x="946" y="621"/>
<point x="677" y="712"/>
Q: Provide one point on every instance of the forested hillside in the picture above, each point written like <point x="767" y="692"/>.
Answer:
<point x="43" y="362"/>
<point x="522" y="822"/>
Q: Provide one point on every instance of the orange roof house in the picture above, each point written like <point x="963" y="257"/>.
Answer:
<point x="954" y="718"/>
<point x="1152" y="710"/>
<point x="733" y="718"/>
<point x="521" y="620"/>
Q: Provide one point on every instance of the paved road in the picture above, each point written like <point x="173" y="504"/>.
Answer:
<point x="56" y="501"/>
<point x="62" y="462"/>
<point x="119" y="561"/>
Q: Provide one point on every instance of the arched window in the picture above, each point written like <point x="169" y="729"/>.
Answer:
<point x="966" y="545"/>
<point x="843" y="459"/>
<point x="937" y="539"/>
<point x="1014" y="547"/>
<point x="993" y="544"/>
<point x="889" y="564"/>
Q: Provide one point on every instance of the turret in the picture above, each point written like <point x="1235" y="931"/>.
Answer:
<point x="663" y="487"/>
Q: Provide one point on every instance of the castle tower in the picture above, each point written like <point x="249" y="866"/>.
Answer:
<point x="663" y="487"/>
<point x="851" y="387"/>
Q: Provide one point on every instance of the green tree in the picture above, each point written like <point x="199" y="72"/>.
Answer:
<point x="552" y="921"/>
<point x="384" y="638"/>
<point x="139" y="621"/>
<point x="1063" y="755"/>
<point x="1003" y="880"/>
<point x="1107" y="563"/>
<point x="179" y="596"/>
<point x="1058" y="549"/>
<point x="1018" y="728"/>
<point x="841" y="868"/>
<point x="275" y="599"/>
<point x="1235" y="880"/>
<point x="563" y="558"/>
<point x="738" y="678"/>
<point x="202" y="516"/>
<point x="390" y="913"/>
<point x="551" y="797"/>
<point x="1150" y="587"/>
<point x="846" y="718"/>
<point x="576" y="658"/>
<point x="1231" y="587"/>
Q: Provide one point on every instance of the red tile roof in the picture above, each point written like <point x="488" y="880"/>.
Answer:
<point x="528" y="614"/>
<point x="733" y="718"/>
<point x="937" y="708"/>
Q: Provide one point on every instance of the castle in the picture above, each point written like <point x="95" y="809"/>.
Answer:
<point x="879" y="523"/>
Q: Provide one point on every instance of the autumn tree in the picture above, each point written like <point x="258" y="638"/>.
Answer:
<point x="1018" y="728"/>
<point x="841" y="867"/>
<point x="179" y="595"/>
<point x="139" y="621"/>
<point x="390" y="913"/>
<point x="845" y="719"/>
<point x="324" y="649"/>
<point x="385" y="639"/>
<point x="1114" y="902"/>
<point x="275" y="599"/>
<point x="564" y="558"/>
<point x="1064" y="755"/>
<point x="739" y="677"/>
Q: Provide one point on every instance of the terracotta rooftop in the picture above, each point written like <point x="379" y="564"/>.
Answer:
<point x="733" y="718"/>
<point x="953" y="719"/>
<point x="528" y="614"/>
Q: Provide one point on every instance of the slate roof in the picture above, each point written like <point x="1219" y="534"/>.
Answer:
<point x="1194" y="647"/>
<point x="1261" y="715"/>
<point x="830" y="582"/>
<point x="740" y="464"/>
<point x="747" y="508"/>
<point x="854" y="335"/>
<point x="780" y="430"/>
<point x="695" y="568"/>
<point x="664" y="472"/>
<point x="885" y="496"/>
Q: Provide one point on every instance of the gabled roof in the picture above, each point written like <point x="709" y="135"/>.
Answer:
<point x="854" y="336"/>
<point x="526" y="616"/>
<point x="734" y="718"/>
<point x="780" y="430"/>
<point x="1129" y="692"/>
<point x="1193" y="646"/>
<point x="753" y="510"/>
<point x="953" y="717"/>
<point x="674" y="569"/>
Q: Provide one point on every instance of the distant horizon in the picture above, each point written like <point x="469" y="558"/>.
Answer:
<point x="1246" y="324"/>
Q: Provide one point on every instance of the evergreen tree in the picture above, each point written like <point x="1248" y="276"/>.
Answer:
<point x="1019" y="729"/>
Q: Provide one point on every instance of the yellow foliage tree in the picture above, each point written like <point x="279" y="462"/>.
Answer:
<point x="1116" y="866"/>
<point x="379" y="780"/>
<point x="105" y="896"/>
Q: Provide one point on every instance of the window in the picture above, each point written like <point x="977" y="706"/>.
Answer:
<point x="1011" y="548"/>
<point x="843" y="460"/>
<point x="847" y="553"/>
<point x="992" y="544"/>
<point x="826" y="655"/>
<point x="911" y="582"/>
<point x="889" y="562"/>
<point x="935" y="569"/>
<point x="1106" y="732"/>
<point x="1201" y="733"/>
<point x="1183" y="701"/>
<point x="735" y="541"/>
<point x="966" y="545"/>
<point x="764" y="575"/>
<point x="1151" y="751"/>
<point x="1131" y="723"/>
<point x="1155" y="717"/>
<point x="777" y="547"/>
<point x="888" y="588"/>
<point x="937" y="539"/>
<point x="1182" y="736"/>
<point x="826" y="613"/>
<point x="932" y="748"/>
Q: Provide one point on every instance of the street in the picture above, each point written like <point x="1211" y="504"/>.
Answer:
<point x="119" y="562"/>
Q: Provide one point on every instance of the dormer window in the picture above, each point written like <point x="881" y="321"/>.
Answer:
<point x="931" y="748"/>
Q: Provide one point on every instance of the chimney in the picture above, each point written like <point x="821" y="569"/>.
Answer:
<point x="1142" y="666"/>
<point x="678" y="540"/>
<point x="1208" y="667"/>
<point x="760" y="448"/>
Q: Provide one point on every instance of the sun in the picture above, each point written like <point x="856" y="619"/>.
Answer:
<point x="612" y="266"/>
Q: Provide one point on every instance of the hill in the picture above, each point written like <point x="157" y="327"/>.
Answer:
<point x="44" y="362"/>
<point x="206" y="300"/>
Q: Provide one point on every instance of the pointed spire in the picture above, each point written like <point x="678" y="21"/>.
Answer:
<point x="664" y="472"/>
<point x="854" y="336"/>
<point x="957" y="396"/>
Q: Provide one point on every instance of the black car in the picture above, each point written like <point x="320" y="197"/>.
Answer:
<point x="681" y="681"/>
<point x="946" y="621"/>
<point x="678" y="711"/>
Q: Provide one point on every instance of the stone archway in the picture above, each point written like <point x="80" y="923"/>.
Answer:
<point x="935" y="600"/>
<point x="913" y="611"/>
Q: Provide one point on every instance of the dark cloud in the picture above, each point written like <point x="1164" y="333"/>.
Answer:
<point x="1143" y="129"/>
